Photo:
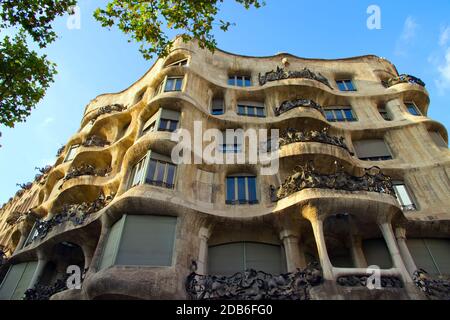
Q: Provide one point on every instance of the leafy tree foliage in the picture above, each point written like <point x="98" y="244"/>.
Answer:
<point x="145" y="21"/>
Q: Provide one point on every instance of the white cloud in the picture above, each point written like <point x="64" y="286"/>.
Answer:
<point x="444" y="37"/>
<point x="47" y="121"/>
<point x="407" y="36"/>
<point x="443" y="83"/>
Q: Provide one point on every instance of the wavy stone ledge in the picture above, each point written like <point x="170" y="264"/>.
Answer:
<point x="254" y="285"/>
<point x="281" y="74"/>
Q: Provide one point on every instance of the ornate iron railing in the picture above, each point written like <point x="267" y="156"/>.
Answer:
<point x="75" y="213"/>
<point x="434" y="289"/>
<point x="361" y="281"/>
<point x="292" y="104"/>
<point x="85" y="170"/>
<point x="306" y="177"/>
<point x="44" y="292"/>
<point x="294" y="136"/>
<point x="108" y="109"/>
<point x="255" y="285"/>
<point x="281" y="74"/>
<point x="404" y="78"/>
<point x="95" y="141"/>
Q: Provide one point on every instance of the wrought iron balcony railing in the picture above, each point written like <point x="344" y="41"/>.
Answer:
<point x="307" y="177"/>
<point x="281" y="74"/>
<point x="95" y="141"/>
<point x="404" y="78"/>
<point x="434" y="289"/>
<point x="298" y="103"/>
<point x="108" y="109"/>
<point x="255" y="285"/>
<point x="85" y="170"/>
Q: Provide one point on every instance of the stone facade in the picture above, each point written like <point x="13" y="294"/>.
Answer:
<point x="323" y="205"/>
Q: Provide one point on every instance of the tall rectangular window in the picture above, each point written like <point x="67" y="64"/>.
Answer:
<point x="173" y="84"/>
<point x="372" y="150"/>
<point x="403" y="196"/>
<point x="412" y="109"/>
<point x="341" y="114"/>
<point x="239" y="81"/>
<point x="164" y="120"/>
<point x="384" y="114"/>
<point x="154" y="169"/>
<point x="72" y="152"/>
<point x="231" y="143"/>
<point x="241" y="190"/>
<point x="345" y="85"/>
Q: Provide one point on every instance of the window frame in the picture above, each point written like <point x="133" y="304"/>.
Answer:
<point x="162" y="85"/>
<point x="405" y="207"/>
<point x="75" y="147"/>
<point x="384" y="113"/>
<point x="246" y="106"/>
<point x="342" y="116"/>
<point x="213" y="107"/>
<point x="416" y="109"/>
<point x="233" y="80"/>
<point x="345" y="82"/>
<point x="178" y="63"/>
<point x="246" y="200"/>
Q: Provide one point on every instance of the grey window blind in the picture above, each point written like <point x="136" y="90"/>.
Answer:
<point x="377" y="253"/>
<point x="432" y="255"/>
<point x="170" y="115"/>
<point x="147" y="241"/>
<point x="231" y="258"/>
<point x="112" y="244"/>
<point x="438" y="140"/>
<point x="17" y="281"/>
<point x="373" y="148"/>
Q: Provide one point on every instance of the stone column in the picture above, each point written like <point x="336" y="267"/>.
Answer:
<point x="327" y="267"/>
<point x="400" y="234"/>
<point x="295" y="256"/>
<point x="42" y="262"/>
<point x="388" y="235"/>
<point x="358" y="256"/>
<point x="202" y="260"/>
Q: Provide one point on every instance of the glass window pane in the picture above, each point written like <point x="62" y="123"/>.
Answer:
<point x="242" y="194"/>
<point x="160" y="171"/>
<point x="349" y="114"/>
<point x="169" y="85"/>
<point x="341" y="85"/>
<point x="230" y="190"/>
<point x="248" y="82"/>
<point x="231" y="81"/>
<point x="163" y="124"/>
<point x="403" y="195"/>
<point x="251" y="111"/>
<point x="239" y="82"/>
<point x="413" y="110"/>
<point x="252" y="190"/>
<point x="329" y="115"/>
<point x="178" y="84"/>
<point x="241" y="110"/>
<point x="260" y="112"/>
<point x="170" y="180"/>
<point x="150" y="172"/>
<point x="350" y="86"/>
<point x="339" y="115"/>
<point x="173" y="125"/>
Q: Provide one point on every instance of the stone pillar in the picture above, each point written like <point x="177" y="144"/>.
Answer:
<point x="202" y="260"/>
<point x="295" y="257"/>
<point x="327" y="267"/>
<point x="400" y="234"/>
<point x="42" y="262"/>
<point x="358" y="256"/>
<point x="21" y="242"/>
<point x="388" y="235"/>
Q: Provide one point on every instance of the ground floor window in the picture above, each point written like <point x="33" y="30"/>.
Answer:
<point x="432" y="255"/>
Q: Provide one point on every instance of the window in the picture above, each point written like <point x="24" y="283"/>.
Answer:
<point x="17" y="280"/>
<point x="140" y="241"/>
<point x="241" y="190"/>
<point x="437" y="139"/>
<point x="412" y="109"/>
<point x="164" y="120"/>
<point x="231" y="258"/>
<point x="340" y="114"/>
<point x="432" y="255"/>
<point x="240" y="81"/>
<point x="72" y="152"/>
<point x="232" y="143"/>
<point x="345" y="85"/>
<point x="170" y="84"/>
<point x="377" y="253"/>
<point x="403" y="196"/>
<point x="372" y="150"/>
<point x="384" y="113"/>
<point x="251" y="109"/>
<point x="217" y="107"/>
<point x="154" y="169"/>
<point x="178" y="63"/>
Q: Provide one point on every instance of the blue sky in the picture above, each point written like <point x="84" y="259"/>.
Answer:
<point x="415" y="36"/>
